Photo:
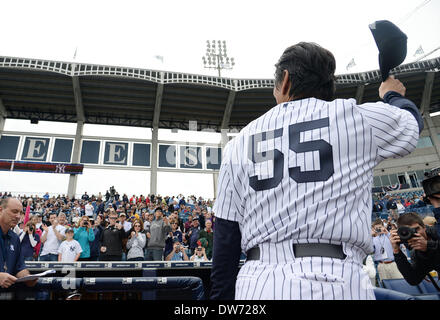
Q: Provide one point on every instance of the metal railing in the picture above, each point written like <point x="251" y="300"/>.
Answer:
<point x="165" y="77"/>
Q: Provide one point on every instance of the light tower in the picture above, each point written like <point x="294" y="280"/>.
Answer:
<point x="216" y="56"/>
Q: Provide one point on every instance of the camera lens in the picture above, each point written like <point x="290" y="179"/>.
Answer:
<point x="405" y="233"/>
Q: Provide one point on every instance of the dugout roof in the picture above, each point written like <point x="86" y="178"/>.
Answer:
<point x="99" y="94"/>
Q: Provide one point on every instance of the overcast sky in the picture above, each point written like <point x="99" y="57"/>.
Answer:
<point x="133" y="33"/>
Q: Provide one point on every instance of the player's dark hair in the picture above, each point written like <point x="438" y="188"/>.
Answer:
<point x="409" y="218"/>
<point x="311" y="71"/>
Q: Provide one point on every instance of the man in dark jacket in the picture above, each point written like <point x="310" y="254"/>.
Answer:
<point x="424" y="245"/>
<point x="111" y="240"/>
<point x="95" y="245"/>
<point x="193" y="235"/>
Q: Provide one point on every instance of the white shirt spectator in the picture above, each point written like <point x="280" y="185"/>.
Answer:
<point x="400" y="207"/>
<point x="52" y="243"/>
<point x="89" y="210"/>
<point x="69" y="250"/>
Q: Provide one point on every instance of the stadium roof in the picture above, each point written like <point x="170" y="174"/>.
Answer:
<point x="99" y="94"/>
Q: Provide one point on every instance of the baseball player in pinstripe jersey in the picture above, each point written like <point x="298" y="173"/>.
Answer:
<point x="295" y="185"/>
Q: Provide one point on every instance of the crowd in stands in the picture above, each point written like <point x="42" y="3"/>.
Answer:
<point x="112" y="227"/>
<point x="398" y="203"/>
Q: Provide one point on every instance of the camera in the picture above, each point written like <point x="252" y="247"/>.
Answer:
<point x="199" y="249"/>
<point x="178" y="247"/>
<point x="431" y="184"/>
<point x="406" y="233"/>
<point x="31" y="229"/>
<point x="378" y="230"/>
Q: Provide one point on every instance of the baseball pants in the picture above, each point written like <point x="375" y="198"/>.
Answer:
<point x="278" y="275"/>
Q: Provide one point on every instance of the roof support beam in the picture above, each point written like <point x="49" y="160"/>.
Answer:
<point x="425" y="104"/>
<point x="228" y="110"/>
<point x="155" y="136"/>
<point x="3" y="114"/>
<point x="73" y="178"/>
<point x="157" y="105"/>
<point x="78" y="99"/>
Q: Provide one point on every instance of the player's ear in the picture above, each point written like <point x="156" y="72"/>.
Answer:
<point x="285" y="84"/>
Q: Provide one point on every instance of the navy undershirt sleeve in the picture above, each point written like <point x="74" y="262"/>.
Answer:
<point x="225" y="260"/>
<point x="397" y="100"/>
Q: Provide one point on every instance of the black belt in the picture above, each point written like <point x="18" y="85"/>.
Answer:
<point x="306" y="250"/>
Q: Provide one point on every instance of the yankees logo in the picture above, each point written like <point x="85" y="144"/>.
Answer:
<point x="60" y="168"/>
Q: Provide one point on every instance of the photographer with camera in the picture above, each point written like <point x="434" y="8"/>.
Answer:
<point x="422" y="241"/>
<point x="29" y="240"/>
<point x="84" y="235"/>
<point x="199" y="254"/>
<point x="178" y="253"/>
<point x="383" y="252"/>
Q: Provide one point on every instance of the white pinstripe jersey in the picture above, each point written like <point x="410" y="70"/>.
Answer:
<point x="303" y="171"/>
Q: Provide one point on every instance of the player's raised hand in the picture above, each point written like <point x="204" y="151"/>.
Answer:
<point x="391" y="84"/>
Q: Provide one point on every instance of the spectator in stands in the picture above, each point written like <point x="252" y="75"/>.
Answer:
<point x="70" y="249"/>
<point x="36" y="220"/>
<point x="159" y="229"/>
<point x="178" y="253"/>
<point x="174" y="233"/>
<point x="136" y="242"/>
<point x="62" y="219"/>
<point x="199" y="254"/>
<point x="75" y="219"/>
<point x="100" y="207"/>
<point x="29" y="240"/>
<point x="400" y="207"/>
<point x="188" y="224"/>
<point x="123" y="220"/>
<point x="392" y="207"/>
<point x="85" y="196"/>
<point x="84" y="235"/>
<point x="193" y="235"/>
<point x="429" y="221"/>
<point x="111" y="239"/>
<point x="51" y="239"/>
<point x="208" y="234"/>
<point x="420" y="203"/>
<point x="95" y="245"/>
<point x="88" y="209"/>
<point x="383" y="252"/>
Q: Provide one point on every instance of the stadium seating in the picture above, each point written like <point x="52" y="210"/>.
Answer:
<point x="427" y="287"/>
<point x="423" y="291"/>
<point x="387" y="294"/>
<point x="401" y="285"/>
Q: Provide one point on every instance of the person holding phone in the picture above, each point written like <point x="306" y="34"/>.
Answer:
<point x="84" y="235"/>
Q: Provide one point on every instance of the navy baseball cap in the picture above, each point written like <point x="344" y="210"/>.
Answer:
<point x="392" y="45"/>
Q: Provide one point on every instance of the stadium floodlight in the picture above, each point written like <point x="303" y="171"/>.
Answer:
<point x="216" y="56"/>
